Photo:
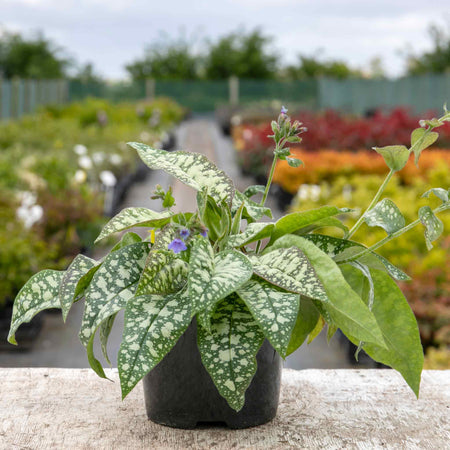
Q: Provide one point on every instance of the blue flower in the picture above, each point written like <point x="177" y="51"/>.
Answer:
<point x="184" y="233"/>
<point x="284" y="110"/>
<point x="177" y="246"/>
<point x="204" y="232"/>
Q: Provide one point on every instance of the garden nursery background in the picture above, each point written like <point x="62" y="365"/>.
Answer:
<point x="65" y="167"/>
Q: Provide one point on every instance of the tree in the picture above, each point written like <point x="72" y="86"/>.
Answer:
<point x="313" y="67"/>
<point x="438" y="59"/>
<point x="36" y="57"/>
<point x="166" y="60"/>
<point x="244" y="55"/>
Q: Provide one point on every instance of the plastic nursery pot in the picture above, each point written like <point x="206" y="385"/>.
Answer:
<point x="180" y="393"/>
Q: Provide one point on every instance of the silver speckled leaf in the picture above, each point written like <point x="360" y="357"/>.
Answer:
<point x="385" y="214"/>
<point x="433" y="225"/>
<point x="254" y="232"/>
<point x="153" y="325"/>
<point x="229" y="351"/>
<point x="274" y="310"/>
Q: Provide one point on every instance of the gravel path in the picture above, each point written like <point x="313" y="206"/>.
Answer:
<point x="58" y="344"/>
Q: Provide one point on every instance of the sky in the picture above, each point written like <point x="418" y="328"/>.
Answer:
<point x="112" y="33"/>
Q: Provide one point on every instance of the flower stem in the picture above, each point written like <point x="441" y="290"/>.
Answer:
<point x="269" y="181"/>
<point x="392" y="236"/>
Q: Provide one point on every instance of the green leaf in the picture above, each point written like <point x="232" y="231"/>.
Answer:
<point x="217" y="218"/>
<point x="252" y="211"/>
<point x="93" y="361"/>
<point x="335" y="247"/>
<point x="85" y="280"/>
<point x="78" y="267"/>
<point x="164" y="273"/>
<point x="40" y="292"/>
<point x="254" y="232"/>
<point x="345" y="308"/>
<point x="306" y="321"/>
<point x="212" y="278"/>
<point x="134" y="217"/>
<point x="440" y="193"/>
<point x="193" y="169"/>
<point x="420" y="140"/>
<point x="395" y="156"/>
<point x="323" y="223"/>
<point x="289" y="269"/>
<point x="253" y="190"/>
<point x="403" y="350"/>
<point x="112" y="286"/>
<point x="153" y="325"/>
<point x="229" y="351"/>
<point x="316" y="330"/>
<point x="385" y="214"/>
<point x="104" y="332"/>
<point x="298" y="220"/>
<point x="294" y="162"/>
<point x="433" y="225"/>
<point x="274" y="310"/>
<point x="127" y="239"/>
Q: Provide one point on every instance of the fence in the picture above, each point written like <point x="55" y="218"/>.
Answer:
<point x="357" y="96"/>
<point x="19" y="97"/>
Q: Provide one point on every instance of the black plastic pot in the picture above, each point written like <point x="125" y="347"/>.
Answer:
<point x="180" y="393"/>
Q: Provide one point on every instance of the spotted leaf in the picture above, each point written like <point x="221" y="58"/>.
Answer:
<point x="385" y="214"/>
<point x="40" y="292"/>
<point x="153" y="325"/>
<point x="254" y="232"/>
<point x="78" y="267"/>
<point x="252" y="210"/>
<point x="344" y="307"/>
<point x="212" y="278"/>
<point x="440" y="193"/>
<point x="433" y="225"/>
<point x="164" y="273"/>
<point x="134" y="217"/>
<point x="335" y="248"/>
<point x="274" y="310"/>
<point x="289" y="269"/>
<point x="229" y="351"/>
<point x="193" y="169"/>
<point x="112" y="286"/>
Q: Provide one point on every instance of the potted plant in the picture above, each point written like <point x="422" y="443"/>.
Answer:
<point x="209" y="292"/>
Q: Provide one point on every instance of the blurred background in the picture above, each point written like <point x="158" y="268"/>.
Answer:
<point x="80" y="79"/>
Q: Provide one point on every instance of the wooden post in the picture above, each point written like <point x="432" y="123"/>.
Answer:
<point x="233" y="87"/>
<point x="150" y="89"/>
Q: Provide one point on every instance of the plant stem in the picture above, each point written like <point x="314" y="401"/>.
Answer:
<point x="269" y="181"/>
<point x="372" y="203"/>
<point x="388" y="238"/>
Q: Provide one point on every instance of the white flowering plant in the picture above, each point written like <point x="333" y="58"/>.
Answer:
<point x="243" y="279"/>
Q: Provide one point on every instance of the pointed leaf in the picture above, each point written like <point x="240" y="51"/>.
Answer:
<point x="78" y="267"/>
<point x="294" y="162"/>
<point x="229" y="352"/>
<point x="322" y="223"/>
<point x="153" y="325"/>
<point x="253" y="190"/>
<point x="127" y="239"/>
<point x="297" y="220"/>
<point x="193" y="169"/>
<point x="345" y="308"/>
<point x="212" y="278"/>
<point x="385" y="214"/>
<point x="112" y="286"/>
<point x="95" y="364"/>
<point x="306" y="321"/>
<point x="403" y="350"/>
<point x="274" y="310"/>
<point x="440" y="193"/>
<point x="289" y="269"/>
<point x="252" y="210"/>
<point x="254" y="232"/>
<point x="85" y="280"/>
<point x="164" y="273"/>
<point x="433" y="225"/>
<point x="395" y="156"/>
<point x="421" y="139"/>
<point x="40" y="292"/>
<point x="317" y="329"/>
<point x="104" y="332"/>
<point x="334" y="247"/>
<point x="134" y="217"/>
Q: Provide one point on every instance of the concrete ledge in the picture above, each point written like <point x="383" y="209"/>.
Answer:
<point x="332" y="409"/>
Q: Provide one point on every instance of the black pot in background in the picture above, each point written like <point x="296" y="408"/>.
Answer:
<point x="180" y="393"/>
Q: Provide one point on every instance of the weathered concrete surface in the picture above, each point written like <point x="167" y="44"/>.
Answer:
<point x="332" y="409"/>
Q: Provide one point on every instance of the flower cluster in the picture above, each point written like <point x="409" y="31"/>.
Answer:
<point x="179" y="244"/>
